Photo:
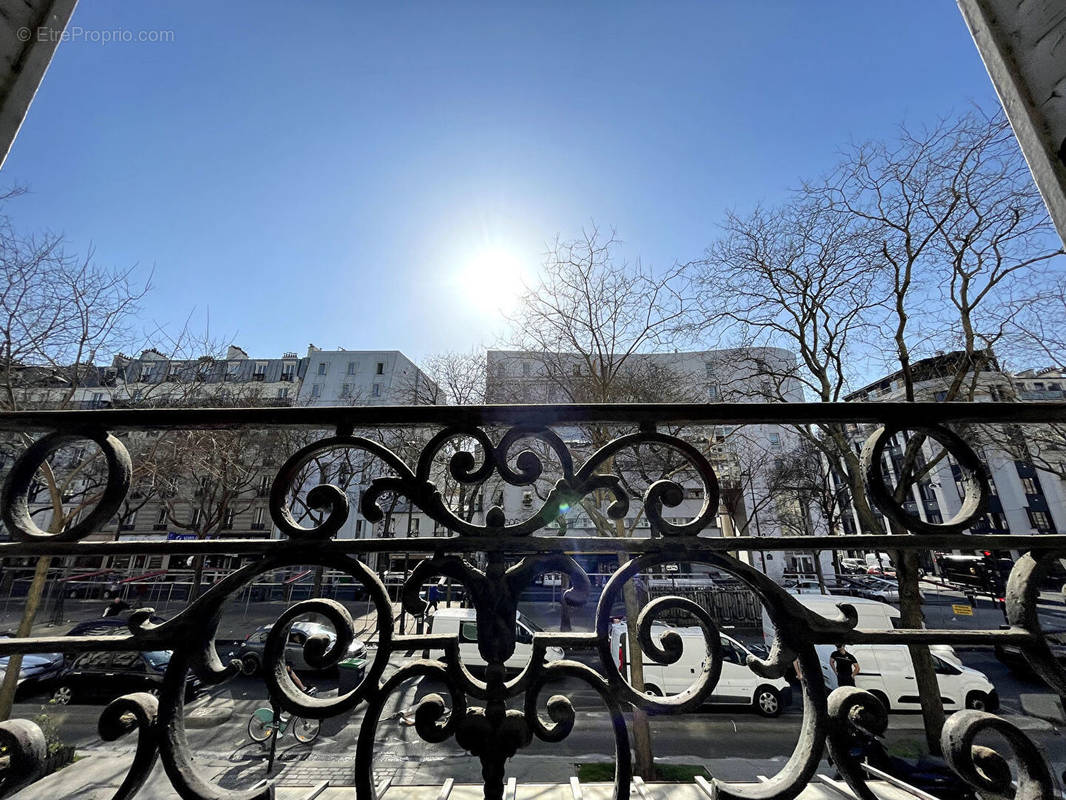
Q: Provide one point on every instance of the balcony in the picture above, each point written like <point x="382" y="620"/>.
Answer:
<point x="495" y="718"/>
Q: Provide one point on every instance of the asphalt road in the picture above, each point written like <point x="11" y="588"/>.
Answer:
<point x="728" y="731"/>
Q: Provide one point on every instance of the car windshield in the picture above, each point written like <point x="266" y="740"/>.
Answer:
<point x="157" y="658"/>
<point x="529" y="623"/>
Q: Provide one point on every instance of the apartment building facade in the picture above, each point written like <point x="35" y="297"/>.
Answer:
<point x="206" y="504"/>
<point x="1024" y="465"/>
<point x="742" y="456"/>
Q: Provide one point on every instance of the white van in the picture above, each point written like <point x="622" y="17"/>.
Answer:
<point x="463" y="622"/>
<point x="886" y="671"/>
<point x="737" y="685"/>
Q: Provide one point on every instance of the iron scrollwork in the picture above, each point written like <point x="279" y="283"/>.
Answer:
<point x="496" y="715"/>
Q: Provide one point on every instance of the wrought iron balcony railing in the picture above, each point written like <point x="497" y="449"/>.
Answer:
<point x="495" y="559"/>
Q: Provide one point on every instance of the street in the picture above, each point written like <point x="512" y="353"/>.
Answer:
<point x="719" y="733"/>
<point x="728" y="737"/>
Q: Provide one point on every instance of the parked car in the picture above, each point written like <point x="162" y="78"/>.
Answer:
<point x="873" y="587"/>
<point x="105" y="675"/>
<point x="36" y="669"/>
<point x="1011" y="656"/>
<point x="462" y="622"/>
<point x="886" y="670"/>
<point x="853" y="566"/>
<point x="251" y="650"/>
<point x="104" y="626"/>
<point x="737" y="685"/>
<point x="806" y="586"/>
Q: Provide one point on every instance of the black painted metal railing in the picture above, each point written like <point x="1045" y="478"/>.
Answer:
<point x="495" y="717"/>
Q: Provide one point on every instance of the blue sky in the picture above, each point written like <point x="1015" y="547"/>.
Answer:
<point x="328" y="177"/>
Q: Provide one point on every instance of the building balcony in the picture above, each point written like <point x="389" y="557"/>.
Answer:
<point x="505" y="693"/>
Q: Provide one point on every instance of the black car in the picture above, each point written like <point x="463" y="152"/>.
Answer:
<point x="103" y="676"/>
<point x="1012" y="657"/>
<point x="108" y="626"/>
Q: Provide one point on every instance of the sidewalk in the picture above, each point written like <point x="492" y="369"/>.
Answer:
<point x="98" y="776"/>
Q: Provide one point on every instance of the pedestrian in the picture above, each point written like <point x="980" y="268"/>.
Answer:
<point x="116" y="606"/>
<point x="434" y="597"/>
<point x="845" y="664"/>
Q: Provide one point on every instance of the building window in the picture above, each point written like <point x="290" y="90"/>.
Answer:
<point x="1029" y="486"/>
<point x="714" y="393"/>
<point x="775" y="440"/>
<point x="316" y="389"/>
<point x="1039" y="520"/>
<point x="227" y="520"/>
<point x="351" y="367"/>
<point x="376" y="390"/>
<point x="288" y="371"/>
<point x="415" y="521"/>
<point x="231" y="370"/>
<point x="258" y="520"/>
<point x="283" y="391"/>
<point x="128" y="522"/>
<point x="264" y="486"/>
<point x="160" y="519"/>
<point x="527" y="369"/>
<point x="260" y="371"/>
<point x="146" y="374"/>
<point x="346" y="390"/>
<point x="322" y="367"/>
<point x="380" y="369"/>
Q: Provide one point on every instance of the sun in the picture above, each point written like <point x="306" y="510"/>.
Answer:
<point x="492" y="277"/>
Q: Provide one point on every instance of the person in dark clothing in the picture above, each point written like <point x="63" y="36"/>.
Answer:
<point x="845" y="665"/>
<point x="433" y="597"/>
<point x="116" y="606"/>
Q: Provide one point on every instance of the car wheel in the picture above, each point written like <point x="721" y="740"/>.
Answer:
<point x="63" y="695"/>
<point x="977" y="701"/>
<point x="249" y="664"/>
<point x="882" y="698"/>
<point x="767" y="702"/>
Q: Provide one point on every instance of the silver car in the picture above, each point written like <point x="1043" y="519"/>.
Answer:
<point x="251" y="651"/>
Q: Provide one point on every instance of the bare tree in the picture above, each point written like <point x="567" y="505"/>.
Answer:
<point x="926" y="242"/>
<point x="58" y="312"/>
<point x="586" y="325"/>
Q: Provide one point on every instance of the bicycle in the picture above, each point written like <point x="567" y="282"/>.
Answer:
<point x="261" y="725"/>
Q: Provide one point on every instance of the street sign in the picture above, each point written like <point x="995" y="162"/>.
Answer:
<point x="180" y="537"/>
<point x="962" y="611"/>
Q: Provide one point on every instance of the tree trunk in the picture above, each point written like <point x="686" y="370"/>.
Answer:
<point x="910" y="609"/>
<point x="565" y="623"/>
<point x="197" y="577"/>
<point x="645" y="761"/>
<point x="14" y="665"/>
